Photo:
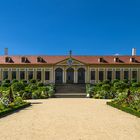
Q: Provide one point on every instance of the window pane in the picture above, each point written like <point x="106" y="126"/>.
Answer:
<point x="30" y="75"/>
<point x="126" y="75"/>
<point x="22" y="75"/>
<point x="101" y="75"/>
<point x="38" y="75"/>
<point x="109" y="75"/>
<point x="47" y="75"/>
<point x="118" y="75"/>
<point x="13" y="75"/>
<point x="92" y="75"/>
<point x="134" y="75"/>
<point x="5" y="75"/>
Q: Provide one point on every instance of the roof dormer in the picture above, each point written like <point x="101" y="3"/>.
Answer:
<point x="8" y="59"/>
<point x="116" y="59"/>
<point x="132" y="59"/>
<point x="24" y="60"/>
<point x="40" y="59"/>
<point x="100" y="59"/>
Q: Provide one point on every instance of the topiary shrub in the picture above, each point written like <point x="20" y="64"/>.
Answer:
<point x="40" y="84"/>
<point x="18" y="100"/>
<point x="135" y="85"/>
<point x="106" y="87"/>
<point x="133" y="81"/>
<point x="4" y="103"/>
<point x="6" y="81"/>
<point x="51" y="92"/>
<point x="99" y="84"/>
<point x="44" y="95"/>
<point x="27" y="95"/>
<point x="97" y="96"/>
<point x="89" y="90"/>
<point x="38" y="80"/>
<point x="14" y="81"/>
<point x="120" y="86"/>
<point x="106" y="82"/>
<point x="110" y="95"/>
<point x="115" y="81"/>
<point x="24" y="81"/>
<point x="18" y="86"/>
<point x="33" y="81"/>
<point x="47" y="88"/>
<point x="125" y="80"/>
<point x="5" y="84"/>
<point x="36" y="94"/>
<point x="32" y="87"/>
<point x="20" y="93"/>
<point x="11" y="96"/>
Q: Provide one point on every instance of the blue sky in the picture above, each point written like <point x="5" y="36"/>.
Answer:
<point x="87" y="27"/>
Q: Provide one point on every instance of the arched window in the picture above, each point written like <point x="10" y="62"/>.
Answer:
<point x="59" y="76"/>
<point x="70" y="75"/>
<point x="81" y="75"/>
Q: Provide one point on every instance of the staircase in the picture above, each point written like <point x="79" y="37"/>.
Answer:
<point x="70" y="91"/>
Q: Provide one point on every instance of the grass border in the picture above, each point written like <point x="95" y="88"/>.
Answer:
<point x="125" y="109"/>
<point x="9" y="111"/>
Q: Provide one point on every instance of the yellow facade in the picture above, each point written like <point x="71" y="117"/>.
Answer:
<point x="133" y="71"/>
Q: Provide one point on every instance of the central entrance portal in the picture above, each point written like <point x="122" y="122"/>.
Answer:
<point x="58" y="76"/>
<point x="70" y="75"/>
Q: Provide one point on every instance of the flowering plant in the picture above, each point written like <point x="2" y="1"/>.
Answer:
<point x="4" y="101"/>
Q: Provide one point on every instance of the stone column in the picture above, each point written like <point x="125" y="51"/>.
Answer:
<point x="130" y="74"/>
<point x="42" y="75"/>
<point x="34" y="74"/>
<point x="113" y="74"/>
<point x="121" y="74"/>
<point x="65" y="75"/>
<point x="75" y="75"/>
<point x="96" y="75"/>
<point x="26" y="74"/>
<point x="88" y="75"/>
<point x="9" y="74"/>
<point x="18" y="74"/>
<point x="138" y="75"/>
<point x="51" y="75"/>
<point x="104" y="71"/>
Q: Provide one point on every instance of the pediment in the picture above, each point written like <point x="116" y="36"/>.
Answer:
<point x="70" y="61"/>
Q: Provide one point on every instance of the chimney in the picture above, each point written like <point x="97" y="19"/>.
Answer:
<point x="6" y="51"/>
<point x="133" y="51"/>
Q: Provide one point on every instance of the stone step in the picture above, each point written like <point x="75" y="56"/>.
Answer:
<point x="70" y="95"/>
<point x="71" y="88"/>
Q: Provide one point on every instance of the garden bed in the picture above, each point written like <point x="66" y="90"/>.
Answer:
<point x="125" y="109"/>
<point x="13" y="109"/>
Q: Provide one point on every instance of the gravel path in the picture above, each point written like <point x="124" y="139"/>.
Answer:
<point x="70" y="119"/>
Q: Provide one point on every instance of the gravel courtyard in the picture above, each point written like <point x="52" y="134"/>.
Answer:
<point x="70" y="119"/>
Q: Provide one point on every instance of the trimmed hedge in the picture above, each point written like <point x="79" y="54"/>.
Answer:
<point x="8" y="111"/>
<point x="125" y="109"/>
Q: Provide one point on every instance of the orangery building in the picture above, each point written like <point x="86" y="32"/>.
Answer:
<point x="70" y="68"/>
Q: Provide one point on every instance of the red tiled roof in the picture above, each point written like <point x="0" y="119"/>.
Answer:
<point x="84" y="59"/>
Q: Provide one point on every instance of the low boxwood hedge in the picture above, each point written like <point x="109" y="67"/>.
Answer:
<point x="125" y="109"/>
<point x="8" y="111"/>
